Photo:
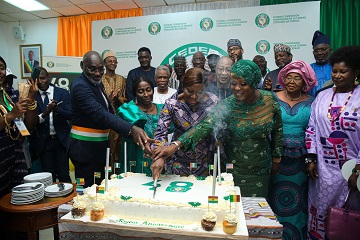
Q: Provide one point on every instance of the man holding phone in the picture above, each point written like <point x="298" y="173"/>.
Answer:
<point x="50" y="135"/>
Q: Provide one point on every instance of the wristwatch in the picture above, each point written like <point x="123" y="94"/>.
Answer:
<point x="177" y="145"/>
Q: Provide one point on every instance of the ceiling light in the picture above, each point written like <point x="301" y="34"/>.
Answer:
<point x="28" y="5"/>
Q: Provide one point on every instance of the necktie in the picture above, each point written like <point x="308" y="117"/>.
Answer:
<point x="46" y="99"/>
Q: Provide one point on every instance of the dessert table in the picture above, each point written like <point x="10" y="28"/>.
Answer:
<point x="31" y="218"/>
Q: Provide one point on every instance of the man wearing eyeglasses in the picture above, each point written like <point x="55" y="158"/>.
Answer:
<point x="92" y="118"/>
<point x="145" y="69"/>
<point x="235" y="50"/>
<point x="321" y="66"/>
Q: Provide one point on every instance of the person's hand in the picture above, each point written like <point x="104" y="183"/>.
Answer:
<point x="157" y="167"/>
<point x="33" y="89"/>
<point x="268" y="84"/>
<point x="163" y="151"/>
<point x="311" y="170"/>
<point x="275" y="168"/>
<point x="352" y="181"/>
<point x="141" y="138"/>
<point x="52" y="106"/>
<point x="19" y="109"/>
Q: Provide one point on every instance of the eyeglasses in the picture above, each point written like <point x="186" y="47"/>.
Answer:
<point x="94" y="70"/>
<point x="233" y="49"/>
<point x="295" y="79"/>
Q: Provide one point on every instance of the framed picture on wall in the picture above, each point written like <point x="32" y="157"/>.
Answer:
<point x="30" y="58"/>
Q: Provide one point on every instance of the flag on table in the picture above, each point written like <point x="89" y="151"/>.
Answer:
<point x="100" y="190"/>
<point x="97" y="174"/>
<point x="80" y="189"/>
<point x="109" y="169"/>
<point x="132" y="163"/>
<point x="229" y="166"/>
<point x="213" y="199"/>
<point x="193" y="165"/>
<point x="80" y="181"/>
<point x="116" y="165"/>
<point x="176" y="165"/>
<point x="211" y="167"/>
<point x="234" y="198"/>
<point x="145" y="164"/>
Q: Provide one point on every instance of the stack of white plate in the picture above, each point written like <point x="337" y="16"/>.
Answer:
<point x="55" y="191"/>
<point x="27" y="193"/>
<point x="43" y="177"/>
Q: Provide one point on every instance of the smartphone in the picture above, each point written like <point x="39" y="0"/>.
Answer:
<point x="35" y="73"/>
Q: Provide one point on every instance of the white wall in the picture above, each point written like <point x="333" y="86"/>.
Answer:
<point x="42" y="32"/>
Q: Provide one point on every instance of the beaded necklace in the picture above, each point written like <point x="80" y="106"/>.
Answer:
<point x="335" y="116"/>
<point x="292" y="99"/>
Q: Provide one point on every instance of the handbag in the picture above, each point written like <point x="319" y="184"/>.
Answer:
<point x="344" y="223"/>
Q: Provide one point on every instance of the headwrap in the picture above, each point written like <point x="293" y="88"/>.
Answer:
<point x="302" y="68"/>
<point x="248" y="70"/>
<point x="282" y="48"/>
<point x="234" y="42"/>
<point x="179" y="59"/>
<point x="108" y="54"/>
<point x="320" y="38"/>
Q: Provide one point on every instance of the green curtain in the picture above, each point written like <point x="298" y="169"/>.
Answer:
<point x="339" y="19"/>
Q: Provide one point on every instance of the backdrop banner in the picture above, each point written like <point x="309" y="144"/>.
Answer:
<point x="62" y="70"/>
<point x="167" y="35"/>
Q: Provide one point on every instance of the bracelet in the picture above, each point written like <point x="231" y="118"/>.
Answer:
<point x="177" y="145"/>
<point x="357" y="172"/>
<point x="310" y="160"/>
<point x="129" y="134"/>
<point x="6" y="122"/>
<point x="32" y="106"/>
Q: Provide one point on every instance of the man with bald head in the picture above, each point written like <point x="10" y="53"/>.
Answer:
<point x="222" y="88"/>
<point x="92" y="119"/>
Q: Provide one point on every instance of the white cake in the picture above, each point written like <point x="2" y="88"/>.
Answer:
<point x="178" y="200"/>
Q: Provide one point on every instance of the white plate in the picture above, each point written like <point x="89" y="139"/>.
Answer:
<point x="38" y="176"/>
<point x="26" y="202"/>
<point x="55" y="189"/>
<point x="347" y="168"/>
<point x="33" y="184"/>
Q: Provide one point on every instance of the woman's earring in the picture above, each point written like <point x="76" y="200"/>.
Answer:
<point x="136" y="101"/>
<point x="356" y="82"/>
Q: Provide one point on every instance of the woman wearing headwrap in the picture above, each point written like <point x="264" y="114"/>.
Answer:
<point x="288" y="189"/>
<point x="251" y="121"/>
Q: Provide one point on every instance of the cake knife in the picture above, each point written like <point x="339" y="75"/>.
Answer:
<point x="155" y="186"/>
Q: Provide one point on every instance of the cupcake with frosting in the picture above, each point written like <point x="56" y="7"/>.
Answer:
<point x="97" y="211"/>
<point x="230" y="224"/>
<point x="78" y="208"/>
<point x="208" y="221"/>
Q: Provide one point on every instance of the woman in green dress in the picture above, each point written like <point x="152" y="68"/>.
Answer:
<point x="142" y="113"/>
<point x="250" y="121"/>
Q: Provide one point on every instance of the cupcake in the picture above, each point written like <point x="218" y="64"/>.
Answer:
<point x="78" y="209"/>
<point x="208" y="221"/>
<point x="230" y="224"/>
<point x="97" y="211"/>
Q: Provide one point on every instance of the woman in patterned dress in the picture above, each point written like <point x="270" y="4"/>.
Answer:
<point x="332" y="138"/>
<point x="184" y="111"/>
<point x="251" y="121"/>
<point x="288" y="189"/>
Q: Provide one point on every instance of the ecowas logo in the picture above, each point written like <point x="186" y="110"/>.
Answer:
<point x="154" y="28"/>
<point x="206" y="24"/>
<point x="106" y="32"/>
<point x="262" y="20"/>
<point x="50" y="64"/>
<point x="263" y="47"/>
<point x="189" y="49"/>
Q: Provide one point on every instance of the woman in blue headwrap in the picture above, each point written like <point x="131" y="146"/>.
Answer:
<point x="250" y="121"/>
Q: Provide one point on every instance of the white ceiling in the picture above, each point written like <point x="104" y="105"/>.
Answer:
<point x="10" y="13"/>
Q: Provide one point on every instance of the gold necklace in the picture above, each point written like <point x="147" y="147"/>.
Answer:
<point x="292" y="99"/>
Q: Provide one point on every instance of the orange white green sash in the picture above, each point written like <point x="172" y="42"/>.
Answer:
<point x="89" y="134"/>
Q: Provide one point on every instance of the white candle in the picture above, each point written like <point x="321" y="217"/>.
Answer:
<point x="214" y="174"/>
<point x="125" y="159"/>
<point x="107" y="168"/>
<point x="219" y="165"/>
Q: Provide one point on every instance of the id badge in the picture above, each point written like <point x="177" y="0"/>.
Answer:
<point x="21" y="127"/>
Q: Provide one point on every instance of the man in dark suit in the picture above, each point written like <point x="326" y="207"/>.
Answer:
<point x="32" y="62"/>
<point x="49" y="138"/>
<point x="91" y="120"/>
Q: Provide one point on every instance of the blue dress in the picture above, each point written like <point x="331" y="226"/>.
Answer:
<point x="288" y="189"/>
<point x="323" y="74"/>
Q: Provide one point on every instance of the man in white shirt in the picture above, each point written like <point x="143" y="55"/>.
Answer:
<point x="162" y="91"/>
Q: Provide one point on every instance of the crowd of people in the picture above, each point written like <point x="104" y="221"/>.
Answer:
<point x="286" y="132"/>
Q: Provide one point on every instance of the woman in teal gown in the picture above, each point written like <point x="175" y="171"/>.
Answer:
<point x="289" y="189"/>
<point x="142" y="113"/>
<point x="250" y="122"/>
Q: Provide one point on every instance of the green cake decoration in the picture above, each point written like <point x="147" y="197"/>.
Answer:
<point x="194" y="204"/>
<point x="201" y="178"/>
<point x="125" y="198"/>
